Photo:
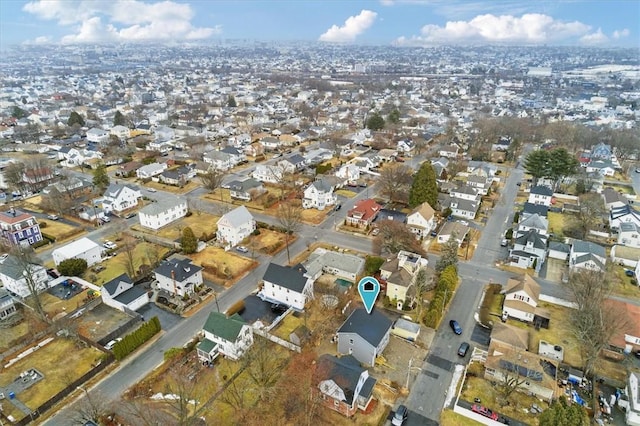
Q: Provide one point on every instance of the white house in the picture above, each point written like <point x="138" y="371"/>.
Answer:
<point x="219" y="159"/>
<point x="161" y="213"/>
<point x="629" y="234"/>
<point x="529" y="250"/>
<point x="286" y="285"/>
<point x="631" y="400"/>
<point x="521" y="298"/>
<point x="587" y="255"/>
<point x="235" y="226"/>
<point x="541" y="195"/>
<point x="229" y="336"/>
<point x="463" y="208"/>
<point x="118" y="198"/>
<point x="535" y="222"/>
<point x="178" y="276"/>
<point x="619" y="215"/>
<point x="97" y="135"/>
<point x="121" y="294"/>
<point x="121" y="132"/>
<point x="268" y="173"/>
<point x="449" y="229"/>
<point x="14" y="278"/>
<point x="83" y="248"/>
<point x="319" y="194"/>
<point x="348" y="173"/>
<point x="342" y="265"/>
<point x="7" y="305"/>
<point x="150" y="170"/>
<point x="465" y="192"/>
<point x="422" y="220"/>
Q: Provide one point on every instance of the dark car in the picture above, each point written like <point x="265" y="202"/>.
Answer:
<point x="338" y="207"/>
<point x="484" y="411"/>
<point x="463" y="349"/>
<point x="629" y="273"/>
<point x="455" y="327"/>
<point x="278" y="308"/>
<point x="129" y="215"/>
<point x="638" y="354"/>
<point x="399" y="416"/>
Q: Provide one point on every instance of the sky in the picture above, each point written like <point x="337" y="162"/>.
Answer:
<point x="604" y="23"/>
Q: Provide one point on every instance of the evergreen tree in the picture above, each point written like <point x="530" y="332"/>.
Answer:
<point x="189" y="242"/>
<point x="394" y="116"/>
<point x="537" y="164"/>
<point x="17" y="112"/>
<point x="75" y="118"/>
<point x="563" y="414"/>
<point x="375" y="122"/>
<point x="424" y="187"/>
<point x="100" y="176"/>
<point x="119" y="119"/>
<point x="231" y="102"/>
<point x="72" y="267"/>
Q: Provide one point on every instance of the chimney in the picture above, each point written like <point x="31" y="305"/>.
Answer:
<point x="173" y="278"/>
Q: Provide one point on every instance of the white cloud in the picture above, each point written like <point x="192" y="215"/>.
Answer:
<point x="529" y="28"/>
<point x="39" y="40"/>
<point x="353" y="27"/>
<point x="594" y="38"/>
<point x="620" y="34"/>
<point x="121" y="20"/>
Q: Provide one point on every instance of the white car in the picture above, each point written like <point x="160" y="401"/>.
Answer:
<point x="109" y="245"/>
<point x="52" y="217"/>
<point x="151" y="189"/>
<point x="242" y="249"/>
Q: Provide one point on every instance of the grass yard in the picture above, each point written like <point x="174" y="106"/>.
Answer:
<point x="54" y="305"/>
<point x="61" y="361"/>
<point x="622" y="285"/>
<point x="286" y="326"/>
<point x="190" y="186"/>
<point x="198" y="222"/>
<point x="314" y="216"/>
<point x="449" y="418"/>
<point x="21" y="331"/>
<point x="345" y="193"/>
<point x="268" y="242"/>
<point x="222" y="267"/>
<point x="477" y="387"/>
<point x="556" y="223"/>
<point x="117" y="265"/>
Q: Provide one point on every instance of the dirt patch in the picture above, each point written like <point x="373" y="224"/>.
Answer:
<point x="200" y="223"/>
<point x="100" y="321"/>
<point x="268" y="241"/>
<point x="314" y="216"/>
<point x="220" y="266"/>
<point x="22" y="331"/>
<point x="144" y="253"/>
<point x="60" y="231"/>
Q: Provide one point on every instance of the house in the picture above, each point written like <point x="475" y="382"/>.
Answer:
<point x="558" y="250"/>
<point x="118" y="198"/>
<point x="229" y="336"/>
<point x="399" y="275"/>
<point x="406" y="146"/>
<point x="254" y="150"/>
<point x="270" y="143"/>
<point x="629" y="234"/>
<point x="364" y="335"/>
<point x="128" y="169"/>
<point x="541" y="194"/>
<point x="178" y="276"/>
<point x="178" y="176"/>
<point x="626" y="213"/>
<point x="13" y="275"/>
<point x="167" y="209"/>
<point x="529" y="250"/>
<point x="529" y="208"/>
<point x="587" y="255"/>
<point x="219" y="159"/>
<point x="450" y="229"/>
<point x="343" y="265"/>
<point x="269" y="173"/>
<point x="449" y="151"/>
<point x="613" y="199"/>
<point x="121" y="294"/>
<point x="19" y="228"/>
<point x="237" y="156"/>
<point x="602" y="167"/>
<point x="463" y="208"/>
<point x="121" y="132"/>
<point x="83" y="248"/>
<point x="630" y="401"/>
<point x="440" y="167"/>
<point x="294" y="163"/>
<point x="627" y="337"/>
<point x="363" y="213"/>
<point x="389" y="214"/>
<point x="480" y="183"/>
<point x="421" y="221"/>
<point x="246" y="190"/>
<point x="601" y="151"/>
<point x="7" y="305"/>
<point x="319" y="194"/>
<point x="151" y="170"/>
<point x="98" y="136"/>
<point x="465" y="192"/>
<point x="286" y="285"/>
<point x="342" y="384"/>
<point x="349" y="173"/>
<point x="533" y="222"/>
<point x="521" y="301"/>
<point x="503" y="144"/>
<point x="235" y="226"/>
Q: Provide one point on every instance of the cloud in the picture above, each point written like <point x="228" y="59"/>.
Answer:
<point x="39" y="40"/>
<point x="121" y="20"/>
<point x="620" y="34"/>
<point x="352" y="28"/>
<point x="531" y="28"/>
<point x="594" y="38"/>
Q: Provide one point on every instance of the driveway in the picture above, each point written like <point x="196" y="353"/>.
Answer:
<point x="553" y="270"/>
<point x="167" y="319"/>
<point x="257" y="309"/>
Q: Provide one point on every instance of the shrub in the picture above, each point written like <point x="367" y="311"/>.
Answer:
<point x="256" y="231"/>
<point x="43" y="225"/>
<point x="372" y="264"/>
<point x="72" y="267"/>
<point x="172" y="353"/>
<point x="508" y="234"/>
<point x="49" y="237"/>
<point x="133" y="341"/>
<point x="189" y="213"/>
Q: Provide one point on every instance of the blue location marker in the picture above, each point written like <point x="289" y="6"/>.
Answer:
<point x="369" y="288"/>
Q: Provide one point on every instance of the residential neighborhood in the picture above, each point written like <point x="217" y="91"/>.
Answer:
<point x="184" y="234"/>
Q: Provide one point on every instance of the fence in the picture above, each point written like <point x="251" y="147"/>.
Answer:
<point x="277" y="340"/>
<point x="120" y="330"/>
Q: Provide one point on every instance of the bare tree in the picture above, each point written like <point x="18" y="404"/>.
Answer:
<point x="14" y="176"/>
<point x="592" y="323"/>
<point x="422" y="282"/>
<point x="23" y="259"/>
<point x="510" y="379"/>
<point x="213" y="179"/>
<point x="393" y="237"/>
<point x="289" y="217"/>
<point x="589" y="214"/>
<point x="91" y="407"/>
<point x="128" y="245"/>
<point x="263" y="367"/>
<point x="395" y="180"/>
<point x="187" y="403"/>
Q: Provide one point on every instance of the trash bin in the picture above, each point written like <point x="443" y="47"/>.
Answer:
<point x="12" y="395"/>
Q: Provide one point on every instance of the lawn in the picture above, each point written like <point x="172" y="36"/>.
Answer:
<point x="268" y="241"/>
<point x="622" y="285"/>
<point x="198" y="222"/>
<point x="345" y="193"/>
<point x="287" y="325"/>
<point x="556" y="223"/>
<point x="220" y="266"/>
<point x="54" y="305"/>
<point x="224" y="195"/>
<point x="21" y="331"/>
<point x="449" y="418"/>
<point x="314" y="216"/>
<point x="190" y="186"/>
<point x="117" y="265"/>
<point x="61" y="231"/>
<point x="477" y="387"/>
<point x="61" y="362"/>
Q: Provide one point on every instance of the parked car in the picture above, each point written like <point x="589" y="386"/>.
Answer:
<point x="3" y="256"/>
<point x="629" y="273"/>
<point x="455" y="327"/>
<point x="109" y="245"/>
<point x="278" y="308"/>
<point x="52" y="217"/>
<point x="151" y="189"/>
<point x="129" y="215"/>
<point x="463" y="349"/>
<point x="375" y="231"/>
<point x="242" y="249"/>
<point x="338" y="207"/>
<point x="400" y="416"/>
<point x="504" y="242"/>
<point x="112" y="343"/>
<point x="484" y="411"/>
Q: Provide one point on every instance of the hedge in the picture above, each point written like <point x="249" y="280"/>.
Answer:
<point x="447" y="282"/>
<point x="133" y="341"/>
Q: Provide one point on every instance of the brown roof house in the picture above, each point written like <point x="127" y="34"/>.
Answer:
<point x="521" y="302"/>
<point x="363" y="213"/>
<point x="399" y="275"/>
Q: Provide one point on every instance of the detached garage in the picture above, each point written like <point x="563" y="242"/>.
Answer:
<point x="83" y="248"/>
<point x="120" y="293"/>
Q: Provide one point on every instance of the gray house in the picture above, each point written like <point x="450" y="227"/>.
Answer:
<point x="364" y="335"/>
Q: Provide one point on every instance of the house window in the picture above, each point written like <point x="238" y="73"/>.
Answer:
<point x="351" y="341"/>
<point x="336" y="403"/>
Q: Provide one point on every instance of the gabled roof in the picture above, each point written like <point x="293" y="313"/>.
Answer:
<point x="622" y="211"/>
<point x="285" y="276"/>
<point x="14" y="215"/>
<point x="580" y="246"/>
<point x="367" y="207"/>
<point x="344" y="372"/>
<point x="371" y="327"/>
<point x="558" y="246"/>
<point x="526" y="284"/>
<point x="244" y="185"/>
<point x="227" y="328"/>
<point x="535" y="221"/>
<point x="532" y="236"/>
<point x="112" y="286"/>
<point x="540" y="209"/>
<point x="237" y="217"/>
<point x="14" y="268"/>
<point x="610" y="195"/>
<point x="165" y="203"/>
<point x="114" y="190"/>
<point x="510" y="335"/>
<point x="541" y="190"/>
<point x="450" y="227"/>
<point x="425" y="210"/>
<point x="182" y="269"/>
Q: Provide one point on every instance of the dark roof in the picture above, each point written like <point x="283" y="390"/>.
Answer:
<point x="345" y="372"/>
<point x="542" y="190"/>
<point x="371" y="327"/>
<point x="227" y="328"/>
<point x="112" y="285"/>
<point x="287" y="277"/>
<point x="182" y="268"/>
<point x="387" y="214"/>
<point x="558" y="246"/>
<point x="530" y="208"/>
<point x="130" y="295"/>
<point x="532" y="236"/>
